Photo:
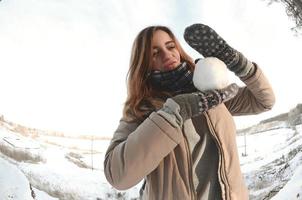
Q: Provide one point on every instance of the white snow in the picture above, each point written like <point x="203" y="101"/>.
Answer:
<point x="293" y="188"/>
<point x="264" y="147"/>
<point x="13" y="183"/>
<point x="210" y="73"/>
<point x="16" y="142"/>
<point x="58" y="177"/>
<point x="273" y="163"/>
<point x="42" y="195"/>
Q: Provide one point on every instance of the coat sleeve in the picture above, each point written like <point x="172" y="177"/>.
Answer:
<point x="256" y="97"/>
<point x="137" y="149"/>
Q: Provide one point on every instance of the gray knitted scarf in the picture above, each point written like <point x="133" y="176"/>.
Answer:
<point x="175" y="81"/>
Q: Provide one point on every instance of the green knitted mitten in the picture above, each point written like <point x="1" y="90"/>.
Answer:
<point x="193" y="104"/>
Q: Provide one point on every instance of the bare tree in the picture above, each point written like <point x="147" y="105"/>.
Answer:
<point x="294" y="11"/>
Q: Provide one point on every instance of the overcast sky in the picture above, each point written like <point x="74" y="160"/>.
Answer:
<point x="63" y="63"/>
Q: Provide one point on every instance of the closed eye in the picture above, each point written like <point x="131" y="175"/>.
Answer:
<point x="170" y="45"/>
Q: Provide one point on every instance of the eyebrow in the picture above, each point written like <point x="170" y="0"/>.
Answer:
<point x="168" y="42"/>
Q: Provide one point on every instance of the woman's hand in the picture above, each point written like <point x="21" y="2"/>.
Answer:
<point x="208" y="43"/>
<point x="193" y="104"/>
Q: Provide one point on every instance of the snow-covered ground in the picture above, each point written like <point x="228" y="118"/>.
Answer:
<point x="61" y="168"/>
<point x="271" y="163"/>
<point x="14" y="185"/>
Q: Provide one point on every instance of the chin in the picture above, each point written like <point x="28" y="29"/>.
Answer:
<point x="171" y="67"/>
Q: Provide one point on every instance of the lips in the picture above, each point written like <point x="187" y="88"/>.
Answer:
<point x="169" y="63"/>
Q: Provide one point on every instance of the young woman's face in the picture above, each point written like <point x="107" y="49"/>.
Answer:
<point x="165" y="55"/>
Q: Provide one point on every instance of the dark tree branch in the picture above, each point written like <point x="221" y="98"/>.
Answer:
<point x="294" y="11"/>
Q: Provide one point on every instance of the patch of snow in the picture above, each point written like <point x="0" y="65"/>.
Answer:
<point x="293" y="188"/>
<point x="13" y="183"/>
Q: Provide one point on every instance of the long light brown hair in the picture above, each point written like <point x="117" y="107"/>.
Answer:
<point x="142" y="97"/>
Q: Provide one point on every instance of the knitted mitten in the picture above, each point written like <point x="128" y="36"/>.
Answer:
<point x="193" y="104"/>
<point x="207" y="42"/>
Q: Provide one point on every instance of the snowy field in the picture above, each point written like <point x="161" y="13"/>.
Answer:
<point x="63" y="168"/>
<point x="272" y="165"/>
<point x="56" y="168"/>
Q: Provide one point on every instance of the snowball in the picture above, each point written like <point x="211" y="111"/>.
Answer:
<point x="210" y="73"/>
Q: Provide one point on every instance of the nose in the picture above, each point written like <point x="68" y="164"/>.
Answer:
<point x="165" y="54"/>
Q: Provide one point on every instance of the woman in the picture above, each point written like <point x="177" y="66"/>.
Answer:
<point x="181" y="140"/>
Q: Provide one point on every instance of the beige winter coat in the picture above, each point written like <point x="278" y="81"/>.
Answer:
<point x="158" y="151"/>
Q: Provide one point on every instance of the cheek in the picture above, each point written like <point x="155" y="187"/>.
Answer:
<point x="177" y="56"/>
<point x="176" y="53"/>
<point x="156" y="65"/>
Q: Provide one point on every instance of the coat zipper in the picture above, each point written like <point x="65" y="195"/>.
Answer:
<point x="221" y="165"/>
<point x="192" y="190"/>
